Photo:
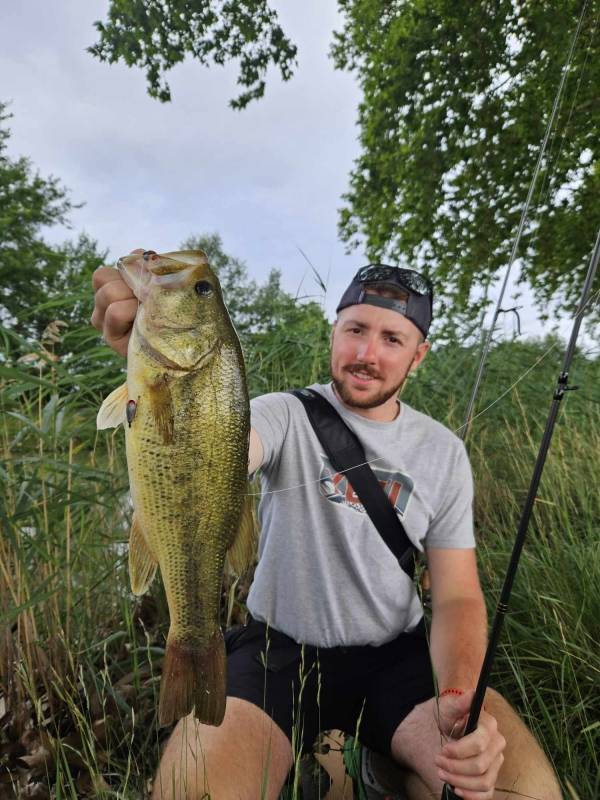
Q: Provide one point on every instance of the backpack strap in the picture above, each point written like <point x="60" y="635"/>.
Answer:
<point x="346" y="453"/>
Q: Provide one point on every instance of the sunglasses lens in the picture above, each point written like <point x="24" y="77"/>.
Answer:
<point x="375" y="273"/>
<point x="416" y="282"/>
<point x="407" y="277"/>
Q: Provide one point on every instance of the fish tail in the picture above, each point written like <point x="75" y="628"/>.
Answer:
<point x="193" y="679"/>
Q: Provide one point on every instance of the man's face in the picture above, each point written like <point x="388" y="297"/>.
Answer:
<point x="372" y="351"/>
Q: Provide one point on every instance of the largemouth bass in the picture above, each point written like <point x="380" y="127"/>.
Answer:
<point x="186" y="414"/>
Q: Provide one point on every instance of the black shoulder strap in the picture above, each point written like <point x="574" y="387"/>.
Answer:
<point x="347" y="455"/>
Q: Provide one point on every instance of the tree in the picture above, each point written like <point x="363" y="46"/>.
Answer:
<point x="456" y="98"/>
<point x="71" y="287"/>
<point x="157" y="34"/>
<point x="28" y="265"/>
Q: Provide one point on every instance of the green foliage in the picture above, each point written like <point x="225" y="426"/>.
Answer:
<point x="157" y="34"/>
<point x="29" y="268"/>
<point x="548" y="658"/>
<point x="456" y="98"/>
<point x="64" y="524"/>
<point x="531" y="367"/>
<point x="547" y="664"/>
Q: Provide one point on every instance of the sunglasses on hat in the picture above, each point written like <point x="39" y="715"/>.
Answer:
<point x="417" y="307"/>
<point x="407" y="278"/>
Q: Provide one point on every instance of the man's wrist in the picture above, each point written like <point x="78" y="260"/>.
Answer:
<point x="452" y="691"/>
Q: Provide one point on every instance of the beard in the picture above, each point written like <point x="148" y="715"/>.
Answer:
<point x="348" y="397"/>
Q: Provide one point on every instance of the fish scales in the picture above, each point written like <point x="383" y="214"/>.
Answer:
<point x="196" y="483"/>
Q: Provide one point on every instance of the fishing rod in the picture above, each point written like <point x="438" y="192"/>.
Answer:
<point x="562" y="387"/>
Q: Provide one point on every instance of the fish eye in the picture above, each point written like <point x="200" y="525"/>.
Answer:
<point x="203" y="288"/>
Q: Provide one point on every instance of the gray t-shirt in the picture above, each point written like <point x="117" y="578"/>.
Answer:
<point x="325" y="577"/>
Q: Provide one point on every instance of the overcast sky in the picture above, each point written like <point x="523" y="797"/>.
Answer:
<point x="268" y="179"/>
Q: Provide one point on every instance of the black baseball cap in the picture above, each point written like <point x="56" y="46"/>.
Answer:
<point x="418" y="305"/>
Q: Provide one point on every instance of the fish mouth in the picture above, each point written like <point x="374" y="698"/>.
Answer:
<point x="169" y="270"/>
<point x="163" y="264"/>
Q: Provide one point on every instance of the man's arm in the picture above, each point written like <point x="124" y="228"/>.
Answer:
<point x="459" y="620"/>
<point x="255" y="452"/>
<point x="458" y="640"/>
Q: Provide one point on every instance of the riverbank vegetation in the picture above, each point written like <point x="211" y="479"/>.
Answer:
<point x="80" y="657"/>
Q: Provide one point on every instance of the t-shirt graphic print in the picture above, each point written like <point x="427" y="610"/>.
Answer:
<point x="336" y="487"/>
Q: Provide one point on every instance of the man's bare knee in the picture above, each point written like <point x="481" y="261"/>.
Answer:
<point x="247" y="756"/>
<point x="526" y="770"/>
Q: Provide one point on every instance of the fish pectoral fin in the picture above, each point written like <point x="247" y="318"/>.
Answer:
<point x="243" y="550"/>
<point x="161" y="408"/>
<point x="142" y="562"/>
<point x="113" y="410"/>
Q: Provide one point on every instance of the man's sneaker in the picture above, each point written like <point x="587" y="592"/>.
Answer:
<point x="379" y="777"/>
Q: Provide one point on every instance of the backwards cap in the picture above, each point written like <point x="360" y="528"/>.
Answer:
<point x="418" y="305"/>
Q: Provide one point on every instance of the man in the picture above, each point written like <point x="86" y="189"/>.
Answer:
<point x="337" y="638"/>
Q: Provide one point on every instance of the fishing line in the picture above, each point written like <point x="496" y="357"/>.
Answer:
<point x="590" y="399"/>
<point x="595" y="299"/>
<point x="488" y="339"/>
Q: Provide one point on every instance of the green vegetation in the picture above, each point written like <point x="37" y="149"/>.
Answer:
<point x="456" y="100"/>
<point x="80" y="657"/>
<point x="158" y="35"/>
<point x="548" y="664"/>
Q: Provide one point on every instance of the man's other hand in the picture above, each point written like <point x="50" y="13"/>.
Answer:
<point x="469" y="764"/>
<point x="115" y="307"/>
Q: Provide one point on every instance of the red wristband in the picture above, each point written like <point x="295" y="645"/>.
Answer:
<point x="452" y="691"/>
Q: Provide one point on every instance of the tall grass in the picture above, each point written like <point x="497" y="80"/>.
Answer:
<point x="549" y="663"/>
<point x="80" y="657"/>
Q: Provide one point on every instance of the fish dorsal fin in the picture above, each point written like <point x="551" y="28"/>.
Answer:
<point x="142" y="562"/>
<point x="243" y="550"/>
<point x="112" y="411"/>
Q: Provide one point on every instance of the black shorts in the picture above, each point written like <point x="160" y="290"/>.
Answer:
<point x="364" y="691"/>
